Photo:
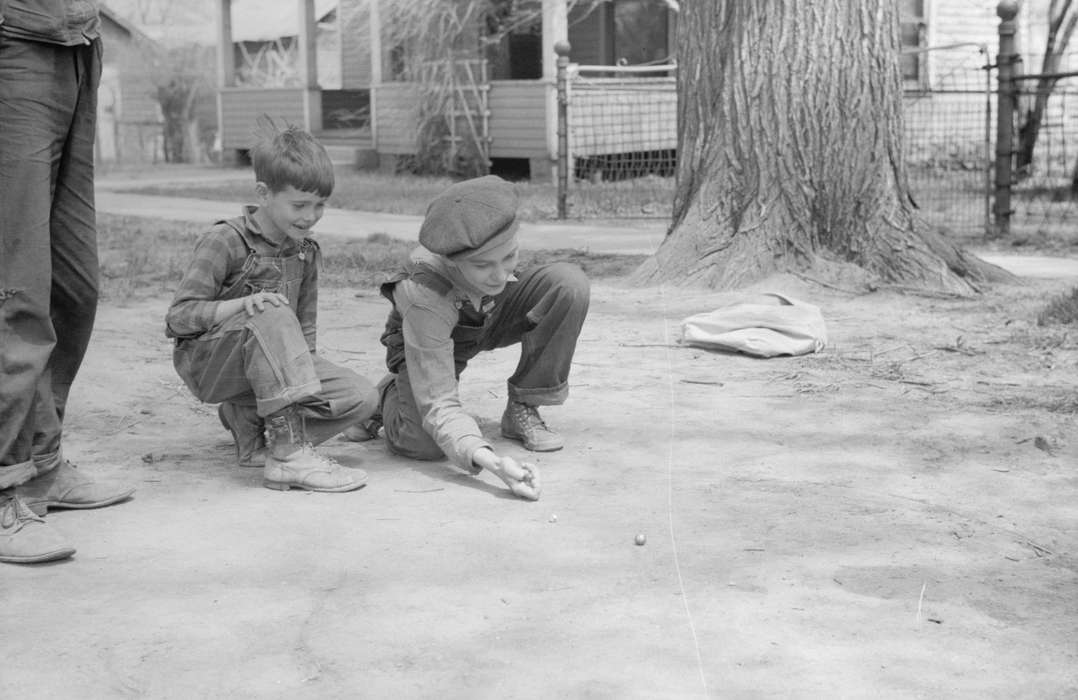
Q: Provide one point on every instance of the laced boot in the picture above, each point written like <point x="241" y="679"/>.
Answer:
<point x="66" y="487"/>
<point x="292" y="462"/>
<point x="247" y="432"/>
<point x="24" y="536"/>
<point x="523" y="422"/>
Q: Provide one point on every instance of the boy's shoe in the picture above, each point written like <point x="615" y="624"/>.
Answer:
<point x="65" y="487"/>
<point x="306" y="469"/>
<point x="246" y="428"/>
<point x="24" y="536"/>
<point x="523" y="422"/>
<point x="363" y="430"/>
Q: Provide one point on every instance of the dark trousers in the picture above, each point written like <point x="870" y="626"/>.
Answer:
<point x="544" y="312"/>
<point x="263" y="362"/>
<point x="48" y="243"/>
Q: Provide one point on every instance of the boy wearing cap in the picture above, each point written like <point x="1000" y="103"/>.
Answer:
<point x="458" y="296"/>
<point x="244" y="321"/>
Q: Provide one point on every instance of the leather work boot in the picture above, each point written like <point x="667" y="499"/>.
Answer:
<point x="246" y="427"/>
<point x="523" y="422"/>
<point x="65" y="487"/>
<point x="293" y="463"/>
<point x="24" y="536"/>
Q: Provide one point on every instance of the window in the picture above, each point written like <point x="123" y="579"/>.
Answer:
<point x="913" y="29"/>
<point x="640" y="32"/>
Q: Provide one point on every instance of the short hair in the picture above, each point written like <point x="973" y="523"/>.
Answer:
<point x="290" y="156"/>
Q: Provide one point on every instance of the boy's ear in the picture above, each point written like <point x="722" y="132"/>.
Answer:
<point x="262" y="190"/>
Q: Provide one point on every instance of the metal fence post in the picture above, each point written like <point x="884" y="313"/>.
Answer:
<point x="1007" y="10"/>
<point x="562" y="49"/>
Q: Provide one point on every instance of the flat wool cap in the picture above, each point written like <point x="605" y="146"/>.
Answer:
<point x="470" y="215"/>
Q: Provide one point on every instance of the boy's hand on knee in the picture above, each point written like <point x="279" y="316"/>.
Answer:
<point x="258" y="301"/>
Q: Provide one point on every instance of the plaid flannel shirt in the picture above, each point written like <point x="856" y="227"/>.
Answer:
<point x="218" y="262"/>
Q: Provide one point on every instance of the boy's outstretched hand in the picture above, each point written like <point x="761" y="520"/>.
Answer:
<point x="258" y="301"/>
<point x="522" y="479"/>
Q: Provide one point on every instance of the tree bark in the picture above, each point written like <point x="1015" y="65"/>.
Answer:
<point x="790" y="151"/>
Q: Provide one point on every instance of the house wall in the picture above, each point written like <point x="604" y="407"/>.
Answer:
<point x="517" y="124"/>
<point x="129" y="119"/>
<point x="395" y="120"/>
<point x="354" y="20"/>
<point x="241" y="107"/>
<point x="518" y="119"/>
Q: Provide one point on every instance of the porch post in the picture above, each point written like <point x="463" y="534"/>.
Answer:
<point x="555" y="30"/>
<point x="226" y="58"/>
<point x="375" y="26"/>
<point x="308" y="66"/>
<point x="226" y="71"/>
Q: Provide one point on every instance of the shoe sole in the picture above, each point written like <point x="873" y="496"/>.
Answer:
<point x="531" y="448"/>
<point x="54" y="555"/>
<point x="286" y="485"/>
<point x="41" y="508"/>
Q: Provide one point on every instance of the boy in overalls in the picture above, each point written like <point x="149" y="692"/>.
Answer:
<point x="244" y="321"/>
<point x="457" y="297"/>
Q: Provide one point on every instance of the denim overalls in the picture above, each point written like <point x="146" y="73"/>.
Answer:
<point x="264" y="359"/>
<point x="543" y="311"/>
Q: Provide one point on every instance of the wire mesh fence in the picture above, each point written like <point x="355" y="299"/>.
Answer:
<point x="622" y="126"/>
<point x="622" y="141"/>
<point x="1044" y="189"/>
<point x="948" y="114"/>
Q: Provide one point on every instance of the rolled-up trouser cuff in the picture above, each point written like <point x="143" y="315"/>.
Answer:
<point x="16" y="474"/>
<point x="289" y="396"/>
<point x="552" y="396"/>
<point x="47" y="462"/>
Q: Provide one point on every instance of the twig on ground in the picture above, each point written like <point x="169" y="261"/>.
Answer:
<point x="844" y="290"/>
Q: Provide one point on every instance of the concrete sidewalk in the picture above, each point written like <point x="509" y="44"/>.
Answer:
<point x="632" y="237"/>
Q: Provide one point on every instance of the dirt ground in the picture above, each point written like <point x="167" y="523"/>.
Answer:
<point x="891" y="517"/>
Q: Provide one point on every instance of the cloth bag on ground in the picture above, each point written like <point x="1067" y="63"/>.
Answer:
<point x="765" y="326"/>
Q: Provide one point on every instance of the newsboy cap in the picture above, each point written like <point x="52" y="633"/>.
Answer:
<point x="471" y="215"/>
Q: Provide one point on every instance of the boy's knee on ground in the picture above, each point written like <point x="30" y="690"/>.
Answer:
<point x="409" y="440"/>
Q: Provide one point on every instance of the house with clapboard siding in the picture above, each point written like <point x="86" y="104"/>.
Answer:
<point x="368" y="114"/>
<point x="344" y="84"/>
<point x="129" y="122"/>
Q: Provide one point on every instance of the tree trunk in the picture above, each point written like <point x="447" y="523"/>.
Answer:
<point x="790" y="151"/>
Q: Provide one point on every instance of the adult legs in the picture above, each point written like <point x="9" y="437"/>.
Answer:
<point x="48" y="276"/>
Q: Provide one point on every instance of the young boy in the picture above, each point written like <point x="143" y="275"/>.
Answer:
<point x="244" y="322"/>
<point x="457" y="297"/>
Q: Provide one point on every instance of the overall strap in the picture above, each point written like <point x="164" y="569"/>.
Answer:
<point x="420" y="273"/>
<point x="237" y="224"/>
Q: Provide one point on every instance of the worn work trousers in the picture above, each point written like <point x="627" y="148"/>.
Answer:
<point x="544" y="312"/>
<point x="263" y="361"/>
<point x="48" y="243"/>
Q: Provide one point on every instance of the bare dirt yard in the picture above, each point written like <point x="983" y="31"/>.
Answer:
<point x="891" y="517"/>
